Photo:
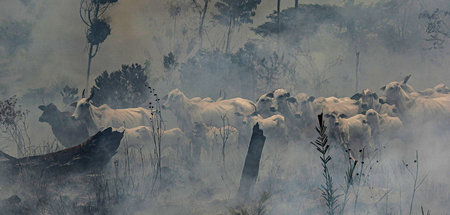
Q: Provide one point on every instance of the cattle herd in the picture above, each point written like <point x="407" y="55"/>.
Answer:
<point x="363" y="120"/>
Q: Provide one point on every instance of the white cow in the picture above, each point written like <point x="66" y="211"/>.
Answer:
<point x="312" y="107"/>
<point x="210" y="113"/>
<point x="212" y="139"/>
<point x="274" y="127"/>
<point x="288" y="107"/>
<point x="264" y="105"/>
<point x="383" y="125"/>
<point x="174" y="142"/>
<point x="414" y="107"/>
<point x="368" y="99"/>
<point x="97" y="118"/>
<point x="353" y="133"/>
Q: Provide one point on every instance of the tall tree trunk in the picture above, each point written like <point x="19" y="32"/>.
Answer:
<point x="97" y="8"/>
<point x="278" y="24"/>
<point x="89" y="68"/>
<point x="251" y="165"/>
<point x="357" y="71"/>
<point x="202" y="21"/>
<point x="227" y="49"/>
<point x="296" y="4"/>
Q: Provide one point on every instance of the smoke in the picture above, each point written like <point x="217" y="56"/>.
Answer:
<point x="324" y="66"/>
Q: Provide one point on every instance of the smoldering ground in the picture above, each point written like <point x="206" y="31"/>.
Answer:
<point x="321" y="64"/>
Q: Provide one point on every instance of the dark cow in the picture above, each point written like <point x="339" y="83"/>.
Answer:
<point x="69" y="132"/>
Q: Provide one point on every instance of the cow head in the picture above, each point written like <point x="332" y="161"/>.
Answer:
<point x="264" y="103"/>
<point x="394" y="89"/>
<point x="174" y="99"/>
<point x="82" y="107"/>
<point x="335" y="118"/>
<point x="366" y="99"/>
<point x="281" y="100"/>
<point x="49" y="113"/>
<point x="372" y="117"/>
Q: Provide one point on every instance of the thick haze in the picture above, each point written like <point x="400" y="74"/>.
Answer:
<point x="141" y="30"/>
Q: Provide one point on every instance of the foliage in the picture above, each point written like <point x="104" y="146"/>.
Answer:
<point x="437" y="29"/>
<point x="299" y="23"/>
<point x="92" y="13"/>
<point x="358" y="24"/>
<point x="69" y="95"/>
<point x="235" y="13"/>
<point x="321" y="144"/>
<point x="98" y="31"/>
<point x="246" y="73"/>
<point x="124" y="88"/>
<point x="258" y="208"/>
<point x="15" y="35"/>
<point x="169" y="62"/>
<point x="238" y="11"/>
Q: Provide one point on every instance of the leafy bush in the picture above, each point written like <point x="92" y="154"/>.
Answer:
<point x="124" y="88"/>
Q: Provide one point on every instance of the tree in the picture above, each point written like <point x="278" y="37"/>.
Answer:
<point x="202" y="11"/>
<point x="174" y="12"/>
<point x="234" y="13"/>
<point x="296" y="24"/>
<point x="92" y="13"/>
<point x="170" y="65"/>
<point x="124" y="88"/>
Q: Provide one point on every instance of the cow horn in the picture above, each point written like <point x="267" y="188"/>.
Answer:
<point x="91" y="96"/>
<point x="406" y="79"/>
<point x="82" y="94"/>
<point x="254" y="106"/>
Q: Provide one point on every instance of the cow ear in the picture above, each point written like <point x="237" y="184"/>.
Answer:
<point x="292" y="100"/>
<point x="406" y="78"/>
<point x="383" y="88"/>
<point x="357" y="96"/>
<point x="311" y="98"/>
<point x="395" y="110"/>
<point x="42" y="107"/>
<point x="270" y="95"/>
<point x="342" y="115"/>
<point x="254" y="114"/>
<point x="374" y="95"/>
<point x="73" y="104"/>
<point x="364" y="121"/>
<point x="327" y="115"/>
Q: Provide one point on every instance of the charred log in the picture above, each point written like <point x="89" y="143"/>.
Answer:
<point x="251" y="165"/>
<point x="90" y="156"/>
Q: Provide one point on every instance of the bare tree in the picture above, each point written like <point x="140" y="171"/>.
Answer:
<point x="319" y="76"/>
<point x="13" y="122"/>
